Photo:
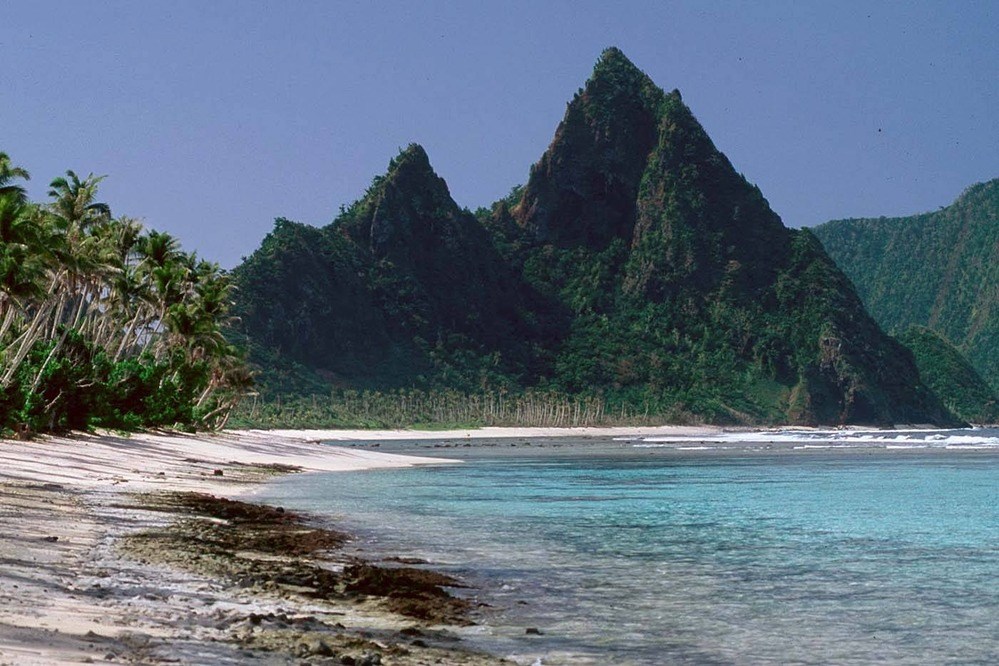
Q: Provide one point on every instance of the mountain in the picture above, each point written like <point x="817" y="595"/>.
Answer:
<point x="939" y="270"/>
<point x="635" y="263"/>
<point x="403" y="286"/>
<point x="951" y="377"/>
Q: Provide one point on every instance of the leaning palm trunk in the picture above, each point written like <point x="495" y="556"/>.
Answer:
<point x="27" y="341"/>
<point x="130" y="335"/>
<point x="59" y="314"/>
<point x="218" y="417"/>
<point x="204" y="394"/>
<point x="10" y="312"/>
<point x="81" y="308"/>
<point x="48" y="359"/>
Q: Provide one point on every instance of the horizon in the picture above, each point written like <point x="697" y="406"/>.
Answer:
<point x="211" y="122"/>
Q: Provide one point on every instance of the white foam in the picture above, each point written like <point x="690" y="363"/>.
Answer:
<point x="812" y="438"/>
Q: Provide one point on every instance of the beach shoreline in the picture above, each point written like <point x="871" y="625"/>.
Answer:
<point x="67" y="592"/>
<point x="69" y="595"/>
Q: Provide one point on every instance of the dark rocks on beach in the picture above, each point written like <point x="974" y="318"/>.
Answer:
<point x="533" y="631"/>
<point x="371" y="579"/>
<point x="217" y="472"/>
<point x="242" y="540"/>
<point x="231" y="510"/>
<point x="417" y="593"/>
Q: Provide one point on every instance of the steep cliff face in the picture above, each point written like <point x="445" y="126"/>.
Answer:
<point x="584" y="188"/>
<point x="699" y="222"/>
<point x="939" y="270"/>
<point x="847" y="369"/>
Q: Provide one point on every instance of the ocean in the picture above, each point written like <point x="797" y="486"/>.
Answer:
<point x="777" y="548"/>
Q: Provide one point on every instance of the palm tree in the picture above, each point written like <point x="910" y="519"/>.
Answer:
<point x="19" y="276"/>
<point x="83" y="260"/>
<point x="21" y="271"/>
<point x="34" y="264"/>
<point x="118" y="295"/>
<point x="74" y="204"/>
<point x="8" y="173"/>
<point x="69" y="266"/>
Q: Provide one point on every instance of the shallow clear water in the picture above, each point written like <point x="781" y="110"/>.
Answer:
<point x="652" y="558"/>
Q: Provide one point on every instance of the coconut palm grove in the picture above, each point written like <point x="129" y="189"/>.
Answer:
<point x="104" y="323"/>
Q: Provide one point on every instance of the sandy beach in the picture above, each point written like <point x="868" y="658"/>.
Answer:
<point x="71" y="592"/>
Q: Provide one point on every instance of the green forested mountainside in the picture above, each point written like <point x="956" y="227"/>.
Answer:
<point x="951" y="377"/>
<point x="403" y="289"/>
<point x="939" y="270"/>
<point x="635" y="264"/>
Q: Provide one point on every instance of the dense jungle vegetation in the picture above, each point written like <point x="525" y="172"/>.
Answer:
<point x="951" y="377"/>
<point x="939" y="270"/>
<point x="104" y="323"/>
<point x="635" y="266"/>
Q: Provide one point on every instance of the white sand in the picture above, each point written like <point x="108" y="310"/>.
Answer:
<point x="93" y="460"/>
<point x="62" y="508"/>
<point x="488" y="433"/>
<point x="67" y="596"/>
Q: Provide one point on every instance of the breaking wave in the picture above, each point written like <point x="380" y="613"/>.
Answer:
<point x="810" y="438"/>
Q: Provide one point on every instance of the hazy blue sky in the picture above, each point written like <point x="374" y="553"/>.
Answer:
<point x="213" y="118"/>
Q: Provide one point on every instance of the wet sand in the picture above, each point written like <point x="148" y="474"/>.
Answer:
<point x="119" y="549"/>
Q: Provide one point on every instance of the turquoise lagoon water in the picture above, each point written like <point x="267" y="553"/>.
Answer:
<point x="638" y="553"/>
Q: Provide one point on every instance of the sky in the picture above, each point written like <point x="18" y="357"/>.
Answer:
<point x="211" y="119"/>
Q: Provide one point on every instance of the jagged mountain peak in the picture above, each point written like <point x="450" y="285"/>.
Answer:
<point x="620" y="131"/>
<point x="614" y="66"/>
<point x="616" y="89"/>
<point x="583" y="190"/>
<point x="410" y="198"/>
<point x="413" y="157"/>
<point x="411" y="171"/>
<point x="612" y="55"/>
